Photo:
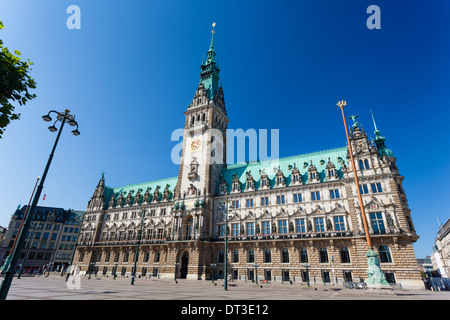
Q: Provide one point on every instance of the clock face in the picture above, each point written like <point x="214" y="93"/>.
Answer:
<point x="196" y="145"/>
<point x="359" y="145"/>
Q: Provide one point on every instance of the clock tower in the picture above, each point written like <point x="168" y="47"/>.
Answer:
<point x="203" y="154"/>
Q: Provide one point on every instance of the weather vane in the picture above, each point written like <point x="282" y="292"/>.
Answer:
<point x="213" y="25"/>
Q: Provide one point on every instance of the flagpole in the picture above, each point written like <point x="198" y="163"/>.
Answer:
<point x="376" y="277"/>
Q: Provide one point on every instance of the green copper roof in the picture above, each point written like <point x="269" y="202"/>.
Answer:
<point x="302" y="162"/>
<point x="141" y="186"/>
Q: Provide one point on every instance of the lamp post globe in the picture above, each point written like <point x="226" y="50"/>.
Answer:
<point x="62" y="117"/>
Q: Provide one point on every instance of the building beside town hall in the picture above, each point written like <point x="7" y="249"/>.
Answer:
<point x="288" y="220"/>
<point x="441" y="250"/>
<point x="51" y="238"/>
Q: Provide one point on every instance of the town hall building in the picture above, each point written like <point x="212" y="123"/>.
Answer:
<point x="298" y="220"/>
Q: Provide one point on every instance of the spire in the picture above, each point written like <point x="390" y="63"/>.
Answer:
<point x="211" y="46"/>
<point x="379" y="141"/>
<point x="377" y="132"/>
<point x="209" y="75"/>
<point x="211" y="52"/>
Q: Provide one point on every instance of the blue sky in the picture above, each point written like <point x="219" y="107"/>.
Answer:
<point x="132" y="69"/>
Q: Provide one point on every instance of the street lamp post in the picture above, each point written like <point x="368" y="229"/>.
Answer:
<point x="256" y="272"/>
<point x="63" y="117"/>
<point x="225" y="283"/>
<point x="332" y="270"/>
<point x="133" y="274"/>
<point x="306" y="265"/>
<point x="213" y="265"/>
<point x="116" y="265"/>
<point x="91" y="268"/>
<point x="175" y="272"/>
<point x="375" y="276"/>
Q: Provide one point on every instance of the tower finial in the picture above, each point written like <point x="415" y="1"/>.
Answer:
<point x="377" y="132"/>
<point x="211" y="47"/>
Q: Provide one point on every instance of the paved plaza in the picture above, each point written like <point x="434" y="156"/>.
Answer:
<point x="101" y="288"/>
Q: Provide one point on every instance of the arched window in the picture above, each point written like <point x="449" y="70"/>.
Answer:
<point x="303" y="255"/>
<point x="323" y="255"/>
<point x="267" y="256"/>
<point x="285" y="255"/>
<point x="385" y="253"/>
<point x="221" y="257"/>
<point x="251" y="256"/>
<point x="345" y="255"/>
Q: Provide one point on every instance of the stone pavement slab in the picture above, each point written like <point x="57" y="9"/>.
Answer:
<point x="100" y="288"/>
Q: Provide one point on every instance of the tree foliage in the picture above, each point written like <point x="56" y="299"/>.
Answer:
<point x="15" y="82"/>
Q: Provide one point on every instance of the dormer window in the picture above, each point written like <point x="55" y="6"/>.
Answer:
<point x="250" y="182"/>
<point x="313" y="174"/>
<point x="279" y="178"/>
<point x="331" y="171"/>
<point x="222" y="186"/>
<point x="364" y="164"/>
<point x="236" y="187"/>
<point x="264" y="180"/>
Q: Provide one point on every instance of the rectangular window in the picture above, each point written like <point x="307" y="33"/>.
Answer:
<point x="221" y="230"/>
<point x="339" y="223"/>
<point x="280" y="199"/>
<point x="249" y="203"/>
<point x="235" y="229"/>
<point x="298" y="197"/>
<point x="300" y="225"/>
<point x="250" y="228"/>
<point x="266" y="227"/>
<point x="282" y="226"/>
<point x="363" y="188"/>
<point x="318" y="222"/>
<point x="379" y="188"/>
<point x="264" y="201"/>
<point x="334" y="194"/>
<point x="376" y="219"/>
<point x="235" y="204"/>
<point x="315" y="195"/>
<point x="376" y="187"/>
